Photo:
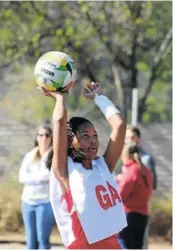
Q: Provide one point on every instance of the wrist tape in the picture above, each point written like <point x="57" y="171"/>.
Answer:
<point x="106" y="106"/>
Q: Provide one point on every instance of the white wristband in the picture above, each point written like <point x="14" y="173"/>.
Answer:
<point x="106" y="106"/>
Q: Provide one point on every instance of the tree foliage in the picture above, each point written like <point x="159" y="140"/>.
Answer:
<point x="123" y="45"/>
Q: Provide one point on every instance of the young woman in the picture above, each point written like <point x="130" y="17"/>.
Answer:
<point x="36" y="208"/>
<point x="83" y="193"/>
<point x="135" y="187"/>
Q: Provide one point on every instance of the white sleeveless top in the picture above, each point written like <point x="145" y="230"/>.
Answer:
<point x="96" y="202"/>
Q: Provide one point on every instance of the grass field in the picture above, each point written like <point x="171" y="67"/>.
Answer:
<point x="17" y="241"/>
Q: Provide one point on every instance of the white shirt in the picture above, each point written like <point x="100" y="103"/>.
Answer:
<point x="35" y="177"/>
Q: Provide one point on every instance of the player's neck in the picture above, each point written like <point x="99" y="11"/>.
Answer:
<point x="87" y="164"/>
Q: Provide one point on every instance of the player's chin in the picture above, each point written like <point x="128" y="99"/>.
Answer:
<point x="92" y="154"/>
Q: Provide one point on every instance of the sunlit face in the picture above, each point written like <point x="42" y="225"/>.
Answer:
<point x="87" y="140"/>
<point x="44" y="138"/>
<point x="132" y="137"/>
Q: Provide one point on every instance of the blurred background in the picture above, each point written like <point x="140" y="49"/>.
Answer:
<point x="121" y="44"/>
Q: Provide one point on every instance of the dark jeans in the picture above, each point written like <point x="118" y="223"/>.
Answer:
<point x="38" y="222"/>
<point x="132" y="236"/>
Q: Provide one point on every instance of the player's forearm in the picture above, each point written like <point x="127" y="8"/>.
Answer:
<point x="60" y="111"/>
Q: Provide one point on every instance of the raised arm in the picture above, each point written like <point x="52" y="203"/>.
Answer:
<point x="118" y="125"/>
<point x="116" y="141"/>
<point x="59" y="119"/>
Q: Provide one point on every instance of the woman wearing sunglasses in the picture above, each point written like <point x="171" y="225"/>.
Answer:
<point x="36" y="209"/>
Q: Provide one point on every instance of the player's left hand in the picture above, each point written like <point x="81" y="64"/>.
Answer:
<point x="91" y="90"/>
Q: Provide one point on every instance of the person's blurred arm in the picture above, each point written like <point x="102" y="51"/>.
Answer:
<point x="34" y="177"/>
<point x="152" y="167"/>
<point x="149" y="162"/>
<point x="126" y="184"/>
<point x="43" y="175"/>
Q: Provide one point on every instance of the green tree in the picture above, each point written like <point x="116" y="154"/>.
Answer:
<point x="121" y="44"/>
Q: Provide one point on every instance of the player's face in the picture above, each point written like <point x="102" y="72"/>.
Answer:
<point x="87" y="140"/>
<point x="131" y="137"/>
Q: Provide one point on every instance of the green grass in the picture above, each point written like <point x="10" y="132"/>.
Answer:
<point x="161" y="205"/>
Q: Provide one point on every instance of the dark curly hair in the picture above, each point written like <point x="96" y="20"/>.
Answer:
<point x="73" y="126"/>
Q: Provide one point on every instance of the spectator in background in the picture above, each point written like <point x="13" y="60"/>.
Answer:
<point x="135" y="187"/>
<point x="133" y="134"/>
<point x="36" y="209"/>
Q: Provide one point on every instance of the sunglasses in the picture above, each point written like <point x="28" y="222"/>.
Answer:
<point x="46" y="135"/>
